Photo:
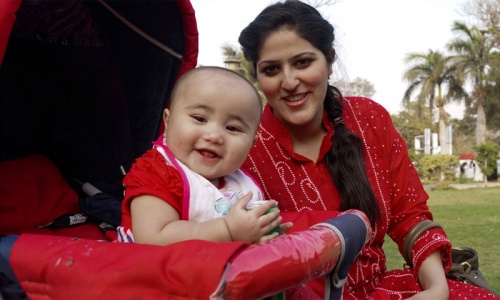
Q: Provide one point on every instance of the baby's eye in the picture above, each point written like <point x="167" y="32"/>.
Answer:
<point x="232" y="128"/>
<point x="199" y="119"/>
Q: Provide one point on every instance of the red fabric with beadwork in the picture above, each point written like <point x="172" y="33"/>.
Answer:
<point x="304" y="187"/>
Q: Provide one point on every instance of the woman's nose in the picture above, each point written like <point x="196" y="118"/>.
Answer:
<point x="289" y="80"/>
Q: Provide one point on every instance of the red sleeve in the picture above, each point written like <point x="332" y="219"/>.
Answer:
<point x="409" y="203"/>
<point x="150" y="175"/>
<point x="430" y="241"/>
<point x="408" y="198"/>
<point x="302" y="220"/>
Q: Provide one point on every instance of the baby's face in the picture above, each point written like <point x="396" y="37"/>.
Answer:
<point x="212" y="125"/>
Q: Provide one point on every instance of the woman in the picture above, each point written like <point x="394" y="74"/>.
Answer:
<point x="318" y="152"/>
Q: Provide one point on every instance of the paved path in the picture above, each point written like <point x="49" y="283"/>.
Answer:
<point x="463" y="186"/>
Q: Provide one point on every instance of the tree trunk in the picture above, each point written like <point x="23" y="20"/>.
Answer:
<point x="485" y="167"/>
<point x="480" y="125"/>
<point x="442" y="131"/>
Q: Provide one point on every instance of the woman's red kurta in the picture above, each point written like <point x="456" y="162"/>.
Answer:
<point x="306" y="195"/>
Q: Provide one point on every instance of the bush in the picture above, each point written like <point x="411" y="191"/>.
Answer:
<point x="487" y="155"/>
<point x="416" y="158"/>
<point x="439" y="168"/>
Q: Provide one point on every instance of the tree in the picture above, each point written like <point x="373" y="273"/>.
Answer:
<point x="472" y="57"/>
<point x="233" y="61"/>
<point x="492" y="108"/>
<point x="358" y="87"/>
<point x="242" y="66"/>
<point x="320" y="3"/>
<point x="488" y="14"/>
<point x="487" y="155"/>
<point x="409" y="125"/>
<point x="463" y="134"/>
<point x="431" y="73"/>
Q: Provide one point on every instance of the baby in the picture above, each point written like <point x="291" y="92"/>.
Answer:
<point x="190" y="185"/>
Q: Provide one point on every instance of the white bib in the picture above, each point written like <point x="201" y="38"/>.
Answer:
<point x="202" y="201"/>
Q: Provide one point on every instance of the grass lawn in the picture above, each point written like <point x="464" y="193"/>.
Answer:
<point x="470" y="218"/>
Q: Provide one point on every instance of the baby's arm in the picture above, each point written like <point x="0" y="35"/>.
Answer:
<point x="156" y="222"/>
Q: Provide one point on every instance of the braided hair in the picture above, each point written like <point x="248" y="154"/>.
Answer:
<point x="345" y="160"/>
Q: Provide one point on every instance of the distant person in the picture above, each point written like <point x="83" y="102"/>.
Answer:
<point x="189" y="185"/>
<point x="319" y="153"/>
<point x="462" y="168"/>
<point x="472" y="165"/>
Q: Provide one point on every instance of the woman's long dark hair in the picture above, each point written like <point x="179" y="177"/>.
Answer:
<point x="345" y="160"/>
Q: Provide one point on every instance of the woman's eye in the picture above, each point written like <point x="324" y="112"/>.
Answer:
<point x="303" y="62"/>
<point x="270" y="70"/>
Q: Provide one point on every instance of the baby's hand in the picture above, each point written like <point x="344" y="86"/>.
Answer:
<point x="283" y="228"/>
<point x="251" y="225"/>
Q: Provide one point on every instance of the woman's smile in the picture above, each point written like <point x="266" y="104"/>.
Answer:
<point x="297" y="99"/>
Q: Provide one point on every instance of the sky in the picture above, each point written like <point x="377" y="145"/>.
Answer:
<point x="372" y="37"/>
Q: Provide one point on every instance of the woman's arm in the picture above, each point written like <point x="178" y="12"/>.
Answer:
<point x="432" y="278"/>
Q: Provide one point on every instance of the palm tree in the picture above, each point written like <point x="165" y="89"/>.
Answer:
<point x="430" y="73"/>
<point x="472" y="56"/>
<point x="493" y="105"/>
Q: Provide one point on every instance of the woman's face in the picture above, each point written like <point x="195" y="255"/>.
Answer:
<point x="293" y="75"/>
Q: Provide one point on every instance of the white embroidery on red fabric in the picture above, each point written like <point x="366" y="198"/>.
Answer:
<point x="288" y="177"/>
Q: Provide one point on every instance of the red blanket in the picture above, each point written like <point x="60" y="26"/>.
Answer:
<point x="48" y="266"/>
<point x="33" y="193"/>
<point x="69" y="263"/>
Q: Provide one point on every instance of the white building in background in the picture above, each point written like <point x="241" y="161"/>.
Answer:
<point x="429" y="142"/>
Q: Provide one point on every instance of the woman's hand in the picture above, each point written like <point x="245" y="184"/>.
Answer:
<point x="252" y="225"/>
<point x="432" y="279"/>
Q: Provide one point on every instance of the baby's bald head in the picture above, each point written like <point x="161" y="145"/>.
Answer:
<point x="213" y="77"/>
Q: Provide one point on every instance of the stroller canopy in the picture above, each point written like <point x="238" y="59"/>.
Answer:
<point x="85" y="82"/>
